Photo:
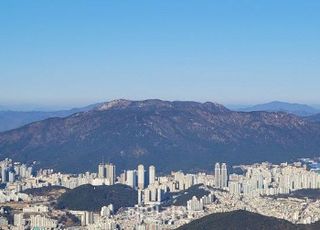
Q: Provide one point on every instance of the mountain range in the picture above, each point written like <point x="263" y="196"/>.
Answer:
<point x="13" y="119"/>
<point x="171" y="135"/>
<point x="278" y="106"/>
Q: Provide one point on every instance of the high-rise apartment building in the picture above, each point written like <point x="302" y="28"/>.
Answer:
<point x="217" y="175"/>
<point x="131" y="178"/>
<point x="224" y="176"/>
<point x="111" y="173"/>
<point x="4" y="172"/>
<point x="152" y="174"/>
<point x="101" y="171"/>
<point x="141" y="177"/>
<point x="107" y="171"/>
<point x="221" y="175"/>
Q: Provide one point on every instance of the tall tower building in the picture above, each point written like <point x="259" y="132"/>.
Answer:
<point x="3" y="174"/>
<point x="217" y="175"/>
<point x="152" y="174"/>
<point x="131" y="178"/>
<point x="111" y="173"/>
<point x="23" y="170"/>
<point x="11" y="176"/>
<point x="101" y="171"/>
<point x="140" y="176"/>
<point x="224" y="176"/>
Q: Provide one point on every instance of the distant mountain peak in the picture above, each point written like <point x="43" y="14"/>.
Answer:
<point x="279" y="106"/>
<point x="157" y="103"/>
<point x="216" y="105"/>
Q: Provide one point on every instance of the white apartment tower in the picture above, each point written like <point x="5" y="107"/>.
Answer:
<point x="140" y="176"/>
<point x="111" y="173"/>
<point x="131" y="178"/>
<point x="224" y="176"/>
<point x="217" y="175"/>
<point x="101" y="171"/>
<point x="152" y="174"/>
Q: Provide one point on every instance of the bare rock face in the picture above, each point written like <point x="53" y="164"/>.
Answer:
<point x="171" y="135"/>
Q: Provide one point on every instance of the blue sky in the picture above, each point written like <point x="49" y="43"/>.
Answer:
<point x="233" y="51"/>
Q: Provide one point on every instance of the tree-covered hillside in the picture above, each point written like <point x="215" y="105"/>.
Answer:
<point x="92" y="198"/>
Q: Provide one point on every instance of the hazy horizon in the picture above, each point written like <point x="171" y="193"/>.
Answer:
<point x="55" y="107"/>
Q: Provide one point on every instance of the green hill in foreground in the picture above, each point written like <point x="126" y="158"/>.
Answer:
<point x="244" y="220"/>
<point x="92" y="198"/>
<point x="181" y="198"/>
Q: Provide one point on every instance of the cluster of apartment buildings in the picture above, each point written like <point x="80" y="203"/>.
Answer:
<point x="12" y="171"/>
<point x="227" y="192"/>
<point x="269" y="179"/>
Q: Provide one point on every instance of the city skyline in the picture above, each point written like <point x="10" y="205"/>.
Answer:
<point x="262" y="188"/>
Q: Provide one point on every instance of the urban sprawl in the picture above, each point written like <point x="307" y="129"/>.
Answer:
<point x="256" y="189"/>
